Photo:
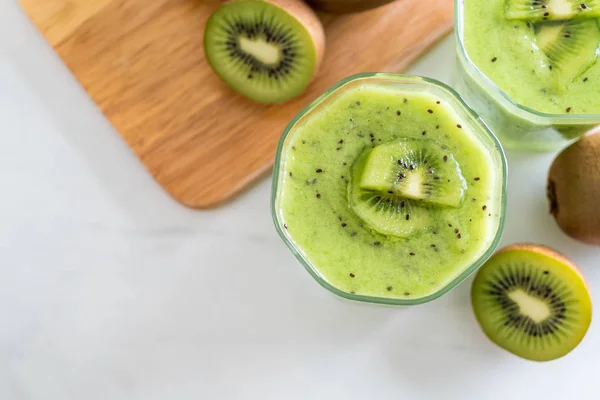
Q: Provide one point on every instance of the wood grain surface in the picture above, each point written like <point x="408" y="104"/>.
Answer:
<point x="142" y="62"/>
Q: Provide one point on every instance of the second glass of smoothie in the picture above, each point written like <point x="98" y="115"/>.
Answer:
<point x="529" y="69"/>
<point x="389" y="189"/>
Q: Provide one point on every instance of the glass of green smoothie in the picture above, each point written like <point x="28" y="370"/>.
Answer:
<point x="389" y="189"/>
<point x="529" y="68"/>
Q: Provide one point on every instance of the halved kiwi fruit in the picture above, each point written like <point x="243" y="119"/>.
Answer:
<point x="415" y="169"/>
<point x="551" y="10"/>
<point x="571" y="47"/>
<point x="532" y="301"/>
<point x="397" y="186"/>
<point x="267" y="50"/>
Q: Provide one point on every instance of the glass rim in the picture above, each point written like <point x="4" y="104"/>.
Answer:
<point x="563" y="118"/>
<point x="385" y="300"/>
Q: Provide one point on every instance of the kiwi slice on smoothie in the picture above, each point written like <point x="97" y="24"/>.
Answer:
<point x="532" y="301"/>
<point x="267" y="50"/>
<point x="571" y="47"/>
<point x="417" y="170"/>
<point x="551" y="10"/>
<point x="397" y="187"/>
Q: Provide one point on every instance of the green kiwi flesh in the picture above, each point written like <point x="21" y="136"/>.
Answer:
<point x="260" y="50"/>
<point x="551" y="10"/>
<point x="571" y="47"/>
<point x="532" y="301"/>
<point x="397" y="188"/>
<point x="417" y="170"/>
<point x="383" y="212"/>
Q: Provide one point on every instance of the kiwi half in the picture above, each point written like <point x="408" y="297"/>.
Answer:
<point x="267" y="50"/>
<point x="532" y="301"/>
<point x="397" y="187"/>
<point x="551" y="10"/>
<point x="571" y="47"/>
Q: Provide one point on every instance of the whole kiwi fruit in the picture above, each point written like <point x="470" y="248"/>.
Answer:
<point x="346" y="6"/>
<point x="574" y="189"/>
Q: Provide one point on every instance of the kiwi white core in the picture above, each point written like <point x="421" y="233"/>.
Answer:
<point x="413" y="187"/>
<point x="561" y="8"/>
<point x="530" y="306"/>
<point x="266" y="53"/>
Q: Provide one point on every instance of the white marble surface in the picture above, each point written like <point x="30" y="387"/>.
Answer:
<point x="111" y="290"/>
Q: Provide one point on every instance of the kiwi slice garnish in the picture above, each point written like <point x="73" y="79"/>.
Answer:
<point x="268" y="51"/>
<point x="385" y="212"/>
<point x="532" y="301"/>
<point x="551" y="10"/>
<point x="574" y="189"/>
<point x="397" y="187"/>
<point x="416" y="170"/>
<point x="571" y="47"/>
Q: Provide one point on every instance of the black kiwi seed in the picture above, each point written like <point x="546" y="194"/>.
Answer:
<point x="406" y="293"/>
<point x="318" y="171"/>
<point x="398" y="112"/>
<point x="377" y="243"/>
<point x="389" y="288"/>
<point x="352" y="275"/>
<point x="430" y="111"/>
<point x="476" y="178"/>
<point x="494" y="59"/>
<point x="459" y="126"/>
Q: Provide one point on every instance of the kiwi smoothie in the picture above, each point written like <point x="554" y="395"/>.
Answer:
<point x="529" y="68"/>
<point x="389" y="189"/>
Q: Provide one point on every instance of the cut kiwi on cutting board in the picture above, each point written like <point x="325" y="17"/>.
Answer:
<point x="551" y="10"/>
<point x="571" y="47"/>
<point x="266" y="50"/>
<point x="532" y="301"/>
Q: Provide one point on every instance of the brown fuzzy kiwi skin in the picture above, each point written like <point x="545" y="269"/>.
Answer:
<point x="307" y="17"/>
<point x="547" y="251"/>
<point x="573" y="189"/>
<point x="346" y="6"/>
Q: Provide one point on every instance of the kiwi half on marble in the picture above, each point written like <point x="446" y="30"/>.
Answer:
<point x="532" y="301"/>
<point x="266" y="50"/>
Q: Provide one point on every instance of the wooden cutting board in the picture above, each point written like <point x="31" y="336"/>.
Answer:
<point x="142" y="62"/>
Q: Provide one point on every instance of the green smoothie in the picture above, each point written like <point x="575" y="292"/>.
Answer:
<point x="530" y="68"/>
<point x="389" y="191"/>
<point x="509" y="52"/>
